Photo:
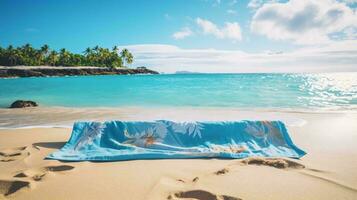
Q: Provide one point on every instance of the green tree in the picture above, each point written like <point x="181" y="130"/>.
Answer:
<point x="52" y="58"/>
<point x="97" y="56"/>
<point x="64" y="57"/>
<point x="12" y="56"/>
<point x="45" y="49"/>
<point x="126" y="56"/>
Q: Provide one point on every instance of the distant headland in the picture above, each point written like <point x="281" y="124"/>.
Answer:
<point x="187" y="72"/>
<point x="26" y="61"/>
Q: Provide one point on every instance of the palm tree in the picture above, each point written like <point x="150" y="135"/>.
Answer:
<point x="52" y="58"/>
<point x="28" y="50"/>
<point x="2" y="55"/>
<point x="11" y="55"/>
<point x="44" y="49"/>
<point x="97" y="56"/>
<point x="115" y="48"/>
<point x="123" y="54"/>
<point x="43" y="53"/>
<point x="29" y="54"/>
<point x="64" y="57"/>
<point x="126" y="56"/>
<point x="87" y="51"/>
<point x="27" y="47"/>
<point x="96" y="48"/>
<point x="10" y="47"/>
<point x="89" y="56"/>
<point x="129" y="58"/>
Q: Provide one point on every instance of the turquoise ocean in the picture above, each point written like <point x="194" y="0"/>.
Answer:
<point x="330" y="91"/>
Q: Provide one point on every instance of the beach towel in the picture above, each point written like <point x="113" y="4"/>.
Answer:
<point x="120" y="140"/>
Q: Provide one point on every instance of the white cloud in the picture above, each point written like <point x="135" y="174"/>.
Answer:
<point x="185" y="32"/>
<point x="232" y="12"/>
<point x="231" y="30"/>
<point x="303" y="21"/>
<point x="336" y="56"/>
<point x="350" y="33"/>
<point x="255" y="4"/>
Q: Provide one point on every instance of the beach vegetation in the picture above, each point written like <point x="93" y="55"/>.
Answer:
<point x="27" y="55"/>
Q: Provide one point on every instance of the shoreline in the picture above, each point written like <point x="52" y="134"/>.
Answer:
<point x="169" y="107"/>
<point x="54" y="71"/>
<point x="65" y="117"/>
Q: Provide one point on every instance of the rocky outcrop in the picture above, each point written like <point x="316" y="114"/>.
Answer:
<point x="7" y="72"/>
<point x="23" y="104"/>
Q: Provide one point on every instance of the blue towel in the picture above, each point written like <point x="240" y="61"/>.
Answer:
<point x="118" y="140"/>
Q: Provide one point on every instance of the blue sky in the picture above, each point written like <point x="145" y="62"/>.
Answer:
<point x="198" y="35"/>
<point x="78" y="24"/>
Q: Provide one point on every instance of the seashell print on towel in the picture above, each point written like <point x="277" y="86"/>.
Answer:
<point x="90" y="132"/>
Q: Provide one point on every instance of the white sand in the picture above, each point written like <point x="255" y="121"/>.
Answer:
<point x="330" y="166"/>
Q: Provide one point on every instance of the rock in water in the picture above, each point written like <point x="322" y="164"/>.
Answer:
<point x="23" y="104"/>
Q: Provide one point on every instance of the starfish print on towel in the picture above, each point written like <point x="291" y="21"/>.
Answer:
<point x="148" y="137"/>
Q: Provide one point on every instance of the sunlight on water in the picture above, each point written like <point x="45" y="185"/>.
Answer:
<point x="333" y="91"/>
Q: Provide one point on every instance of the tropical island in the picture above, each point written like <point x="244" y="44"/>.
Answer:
<point x="27" y="61"/>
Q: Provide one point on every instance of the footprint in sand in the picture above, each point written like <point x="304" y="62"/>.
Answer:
<point x="194" y="180"/>
<point x="180" y="180"/>
<point x="222" y="171"/>
<point x="199" y="195"/>
<point x="8" y="187"/>
<point x="288" y="164"/>
<point x="12" y="154"/>
<point x="39" y="173"/>
<point x="279" y="163"/>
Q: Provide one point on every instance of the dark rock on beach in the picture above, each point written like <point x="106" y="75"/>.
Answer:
<point x="23" y="104"/>
<point x="8" y="72"/>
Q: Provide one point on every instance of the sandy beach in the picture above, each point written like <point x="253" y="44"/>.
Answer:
<point x="328" y="171"/>
<point x="170" y="100"/>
